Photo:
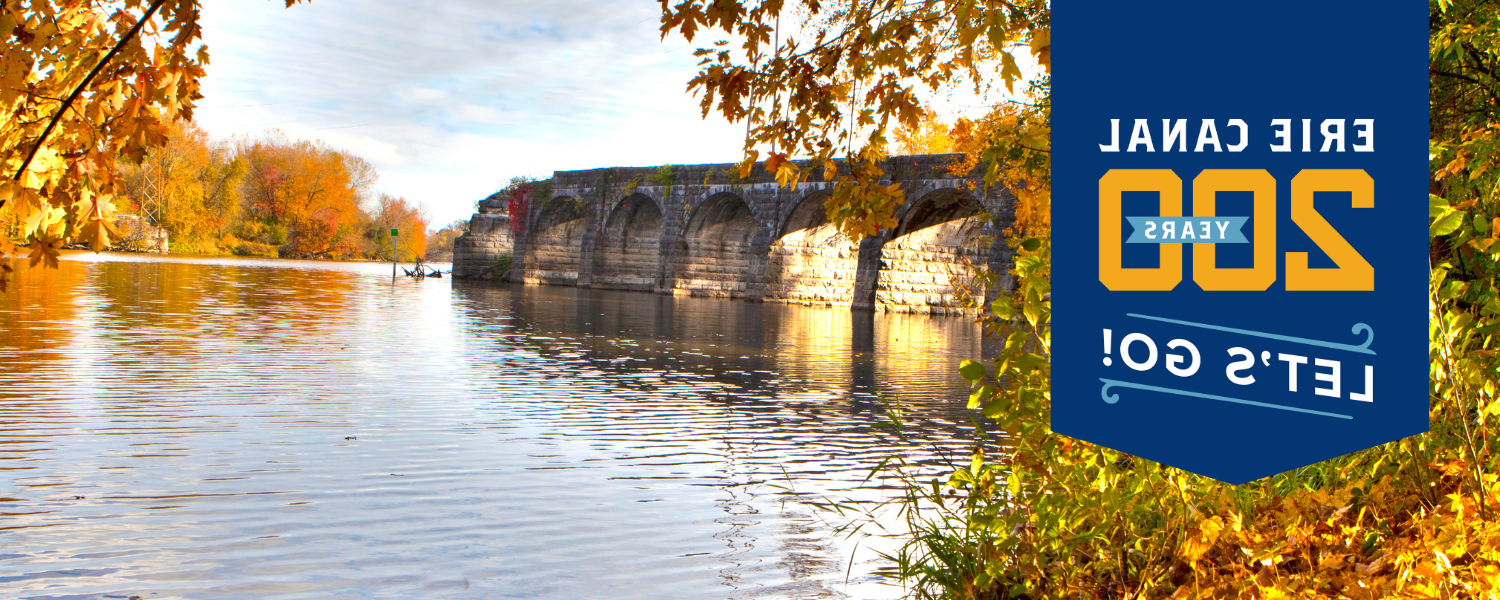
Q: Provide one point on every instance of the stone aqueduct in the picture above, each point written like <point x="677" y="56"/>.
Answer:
<point x="705" y="235"/>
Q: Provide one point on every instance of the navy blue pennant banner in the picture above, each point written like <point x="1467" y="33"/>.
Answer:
<point x="1240" y="284"/>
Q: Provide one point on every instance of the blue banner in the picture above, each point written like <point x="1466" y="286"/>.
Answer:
<point x="1292" y="134"/>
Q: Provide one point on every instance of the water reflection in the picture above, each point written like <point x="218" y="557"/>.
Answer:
<point x="769" y="348"/>
<point x="258" y="429"/>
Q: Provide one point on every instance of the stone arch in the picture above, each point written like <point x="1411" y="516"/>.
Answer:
<point x="810" y="262"/>
<point x="927" y="257"/>
<point x="628" y="251"/>
<point x="807" y="214"/>
<point x="715" y="248"/>
<point x="937" y="207"/>
<point x="555" y="242"/>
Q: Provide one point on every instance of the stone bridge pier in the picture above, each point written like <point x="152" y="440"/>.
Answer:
<point x="707" y="233"/>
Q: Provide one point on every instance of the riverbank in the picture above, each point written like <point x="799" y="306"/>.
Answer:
<point x="1048" y="516"/>
<point x="225" y="259"/>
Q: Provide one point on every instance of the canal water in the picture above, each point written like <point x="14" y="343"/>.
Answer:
<point x="236" y="428"/>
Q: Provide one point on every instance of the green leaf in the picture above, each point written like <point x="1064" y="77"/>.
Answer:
<point x="1015" y="342"/>
<point x="1491" y="308"/>
<point x="1452" y="289"/>
<point x="1033" y="308"/>
<point x="979" y="396"/>
<point x="1446" y="224"/>
<point x="971" y="371"/>
<point x="1436" y="206"/>
<point x="1460" y="321"/>
<point x="1030" y="266"/>
<point x="1002" y="308"/>
<point x="1031" y="244"/>
<point x="1031" y="361"/>
<point x="1487" y="329"/>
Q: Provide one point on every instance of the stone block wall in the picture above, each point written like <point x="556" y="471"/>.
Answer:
<point x="488" y="239"/>
<point x="718" y="253"/>
<point x="629" y="249"/>
<point x="813" y="266"/>
<point x="922" y="270"/>
<point x="714" y="269"/>
<point x="553" y="254"/>
<point x="699" y="230"/>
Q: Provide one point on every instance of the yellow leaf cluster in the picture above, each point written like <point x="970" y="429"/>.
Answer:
<point x="83" y="83"/>
<point x="850" y="74"/>
<point x="1350" y="543"/>
<point x="929" y="136"/>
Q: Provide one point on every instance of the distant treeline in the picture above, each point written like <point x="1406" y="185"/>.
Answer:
<point x="272" y="196"/>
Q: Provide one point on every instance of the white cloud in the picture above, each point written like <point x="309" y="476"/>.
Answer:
<point x="475" y="113"/>
<point x="450" y="99"/>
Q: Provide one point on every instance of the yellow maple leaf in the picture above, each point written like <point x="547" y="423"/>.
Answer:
<point x="98" y="228"/>
<point x="97" y="233"/>
<point x="749" y="163"/>
<point x="1041" y="47"/>
<point x="46" y="247"/>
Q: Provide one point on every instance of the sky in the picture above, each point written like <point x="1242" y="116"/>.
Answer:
<point x="450" y="99"/>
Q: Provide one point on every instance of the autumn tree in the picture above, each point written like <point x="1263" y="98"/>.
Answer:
<point x="440" y="243"/>
<point x="302" y="196"/>
<point x="265" y="196"/>
<point x="410" y="219"/>
<point x="1043" y="515"/>
<point x="190" y="186"/>
<point x="832" y="80"/>
<point x="1011" y="143"/>
<point x="931" y="135"/>
<point x="83" y="82"/>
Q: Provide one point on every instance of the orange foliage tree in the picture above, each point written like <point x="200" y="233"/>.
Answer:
<point x="83" y="82"/>
<point x="929" y="135"/>
<point x="1010" y="143"/>
<point x="392" y="212"/>
<point x="305" y="195"/>
<point x="266" y="196"/>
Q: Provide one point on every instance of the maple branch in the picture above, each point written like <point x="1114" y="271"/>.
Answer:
<point x="52" y="124"/>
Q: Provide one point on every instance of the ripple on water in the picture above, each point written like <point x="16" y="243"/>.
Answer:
<point x="193" y="428"/>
